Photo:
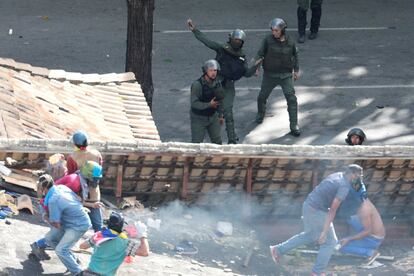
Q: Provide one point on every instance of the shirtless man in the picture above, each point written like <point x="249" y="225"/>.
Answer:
<point x="370" y="232"/>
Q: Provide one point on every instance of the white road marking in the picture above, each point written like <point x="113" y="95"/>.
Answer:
<point x="289" y="29"/>
<point x="386" y="86"/>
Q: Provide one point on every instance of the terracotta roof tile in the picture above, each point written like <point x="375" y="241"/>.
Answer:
<point x="41" y="103"/>
<point x="383" y="163"/>
<point x="398" y="163"/>
<point x="394" y="176"/>
<point x="409" y="176"/>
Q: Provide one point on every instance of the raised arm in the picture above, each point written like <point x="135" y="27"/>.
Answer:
<point x="202" y="37"/>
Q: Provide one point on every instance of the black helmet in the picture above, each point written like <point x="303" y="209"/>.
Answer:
<point x="116" y="222"/>
<point x="358" y="132"/>
<point x="278" y="23"/>
<point x="80" y="139"/>
<point x="210" y="64"/>
<point x="238" y="34"/>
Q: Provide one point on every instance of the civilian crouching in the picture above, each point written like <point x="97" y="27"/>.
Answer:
<point x="68" y="219"/>
<point x="112" y="246"/>
<point x="85" y="184"/>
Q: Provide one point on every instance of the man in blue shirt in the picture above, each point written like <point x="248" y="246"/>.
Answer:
<point x="69" y="220"/>
<point x="319" y="210"/>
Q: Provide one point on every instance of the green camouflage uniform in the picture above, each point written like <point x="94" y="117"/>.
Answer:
<point x="280" y="59"/>
<point x="203" y="117"/>
<point x="226" y="106"/>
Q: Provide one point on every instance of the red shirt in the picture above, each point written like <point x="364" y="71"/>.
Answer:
<point x="72" y="181"/>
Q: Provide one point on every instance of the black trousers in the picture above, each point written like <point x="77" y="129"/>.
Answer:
<point x="316" y="9"/>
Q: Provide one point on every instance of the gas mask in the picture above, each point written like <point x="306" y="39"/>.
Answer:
<point x="236" y="44"/>
<point x="359" y="186"/>
<point x="357" y="183"/>
<point x="94" y="182"/>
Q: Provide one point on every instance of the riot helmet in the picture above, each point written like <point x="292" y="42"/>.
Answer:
<point x="358" y="132"/>
<point x="210" y="64"/>
<point x="238" y="34"/>
<point x="278" y="23"/>
<point x="236" y="39"/>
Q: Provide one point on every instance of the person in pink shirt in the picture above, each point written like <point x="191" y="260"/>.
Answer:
<point x="72" y="181"/>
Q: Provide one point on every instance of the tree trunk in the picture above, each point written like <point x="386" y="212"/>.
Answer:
<point x="139" y="44"/>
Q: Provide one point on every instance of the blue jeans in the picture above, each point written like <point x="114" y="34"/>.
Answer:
<point x="95" y="215"/>
<point x="62" y="240"/>
<point x="364" y="247"/>
<point x="313" y="221"/>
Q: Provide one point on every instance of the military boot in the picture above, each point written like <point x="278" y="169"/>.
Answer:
<point x="293" y="118"/>
<point x="315" y="21"/>
<point x="261" y="111"/>
<point x="259" y="118"/>
<point x="295" y="130"/>
<point x="232" y="137"/>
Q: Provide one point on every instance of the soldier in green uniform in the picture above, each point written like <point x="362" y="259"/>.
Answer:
<point x="280" y="61"/>
<point x="233" y="66"/>
<point x="206" y="92"/>
<point x="303" y="6"/>
<point x="356" y="136"/>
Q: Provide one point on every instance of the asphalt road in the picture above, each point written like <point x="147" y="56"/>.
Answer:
<point x="357" y="73"/>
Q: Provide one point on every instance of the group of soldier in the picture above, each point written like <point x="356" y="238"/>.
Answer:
<point x="70" y="202"/>
<point x="212" y="95"/>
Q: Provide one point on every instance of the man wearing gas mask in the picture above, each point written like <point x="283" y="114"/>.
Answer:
<point x="90" y="175"/>
<point x="367" y="228"/>
<point x="319" y="211"/>
<point x="233" y="65"/>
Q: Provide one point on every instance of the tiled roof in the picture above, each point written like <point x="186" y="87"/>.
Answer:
<point x="277" y="177"/>
<point x="40" y="103"/>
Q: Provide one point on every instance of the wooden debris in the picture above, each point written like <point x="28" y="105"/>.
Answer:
<point x="380" y="257"/>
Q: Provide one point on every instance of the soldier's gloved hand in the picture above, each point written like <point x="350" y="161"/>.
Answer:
<point x="190" y="24"/>
<point x="214" y="103"/>
<point x="295" y="75"/>
<point x="221" y="120"/>
<point x="141" y="229"/>
<point x="258" y="62"/>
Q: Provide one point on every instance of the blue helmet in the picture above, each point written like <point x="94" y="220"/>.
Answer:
<point x="80" y="139"/>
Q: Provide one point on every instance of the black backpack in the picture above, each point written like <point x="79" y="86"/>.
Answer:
<point x="232" y="67"/>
